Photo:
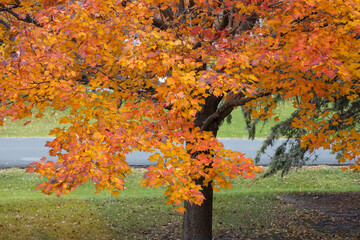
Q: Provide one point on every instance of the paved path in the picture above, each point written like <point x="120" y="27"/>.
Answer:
<point x="19" y="152"/>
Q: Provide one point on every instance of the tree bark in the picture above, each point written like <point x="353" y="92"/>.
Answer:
<point x="197" y="222"/>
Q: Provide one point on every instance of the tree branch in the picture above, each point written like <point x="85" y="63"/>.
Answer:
<point x="225" y="20"/>
<point x="6" y="25"/>
<point x="167" y="13"/>
<point x="157" y="22"/>
<point x="27" y="18"/>
<point x="181" y="6"/>
<point x="249" y="22"/>
<point x="238" y="100"/>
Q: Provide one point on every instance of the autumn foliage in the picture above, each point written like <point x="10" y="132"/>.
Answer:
<point x="137" y="75"/>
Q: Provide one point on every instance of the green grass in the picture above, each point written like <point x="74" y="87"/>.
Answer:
<point x="237" y="128"/>
<point x="38" y="127"/>
<point x="41" y="127"/>
<point x="251" y="209"/>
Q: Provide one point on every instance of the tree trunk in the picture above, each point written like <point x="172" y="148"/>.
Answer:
<point x="197" y="222"/>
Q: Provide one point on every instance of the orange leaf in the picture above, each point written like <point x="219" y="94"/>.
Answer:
<point x="181" y="210"/>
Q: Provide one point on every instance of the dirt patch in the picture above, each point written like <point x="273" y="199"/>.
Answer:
<point x="332" y="213"/>
<point x="317" y="216"/>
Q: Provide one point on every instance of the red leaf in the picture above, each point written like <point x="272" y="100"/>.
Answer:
<point x="208" y="34"/>
<point x="315" y="62"/>
<point x="29" y="170"/>
<point x="41" y="185"/>
<point x="195" y="30"/>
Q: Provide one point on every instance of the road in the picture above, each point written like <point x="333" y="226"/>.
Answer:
<point x="19" y="152"/>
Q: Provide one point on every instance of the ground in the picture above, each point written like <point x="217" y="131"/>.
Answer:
<point x="336" y="214"/>
<point x="325" y="216"/>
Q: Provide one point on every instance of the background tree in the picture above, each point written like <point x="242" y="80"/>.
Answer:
<point x="295" y="153"/>
<point x="155" y="74"/>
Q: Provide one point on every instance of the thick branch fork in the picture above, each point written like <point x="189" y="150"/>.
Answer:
<point x="238" y="100"/>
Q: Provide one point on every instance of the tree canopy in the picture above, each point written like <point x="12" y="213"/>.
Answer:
<point x="162" y="75"/>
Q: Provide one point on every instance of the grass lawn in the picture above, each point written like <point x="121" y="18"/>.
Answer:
<point x="237" y="128"/>
<point x="41" y="127"/>
<point x="38" y="127"/>
<point x="251" y="210"/>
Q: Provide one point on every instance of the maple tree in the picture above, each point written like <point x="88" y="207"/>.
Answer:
<point x="162" y="75"/>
